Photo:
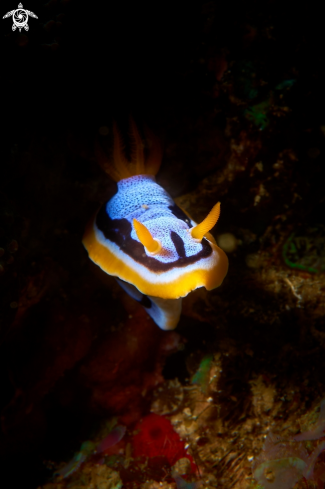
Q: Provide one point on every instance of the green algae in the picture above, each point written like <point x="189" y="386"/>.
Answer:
<point x="306" y="251"/>
<point x="257" y="114"/>
<point x="202" y="375"/>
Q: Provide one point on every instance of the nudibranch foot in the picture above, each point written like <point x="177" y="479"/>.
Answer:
<point x="164" y="312"/>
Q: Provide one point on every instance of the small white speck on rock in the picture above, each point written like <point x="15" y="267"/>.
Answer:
<point x="227" y="242"/>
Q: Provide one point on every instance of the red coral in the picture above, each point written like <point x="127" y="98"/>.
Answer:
<point x="157" y="438"/>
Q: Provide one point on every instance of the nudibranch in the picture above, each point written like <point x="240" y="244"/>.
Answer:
<point x="155" y="250"/>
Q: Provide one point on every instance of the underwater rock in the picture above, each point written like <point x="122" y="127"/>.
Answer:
<point x="282" y="462"/>
<point x="126" y="364"/>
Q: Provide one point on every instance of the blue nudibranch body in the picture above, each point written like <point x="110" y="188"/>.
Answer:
<point x="145" y="240"/>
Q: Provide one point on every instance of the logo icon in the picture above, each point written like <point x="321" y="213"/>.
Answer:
<point x="20" y="18"/>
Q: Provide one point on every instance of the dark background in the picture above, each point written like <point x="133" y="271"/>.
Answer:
<point x="80" y="63"/>
<point x="80" y="66"/>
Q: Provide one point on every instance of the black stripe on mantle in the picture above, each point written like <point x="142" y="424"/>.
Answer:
<point x="119" y="232"/>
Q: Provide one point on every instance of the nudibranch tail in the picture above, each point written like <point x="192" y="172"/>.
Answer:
<point x="151" y="244"/>
<point x="207" y="224"/>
